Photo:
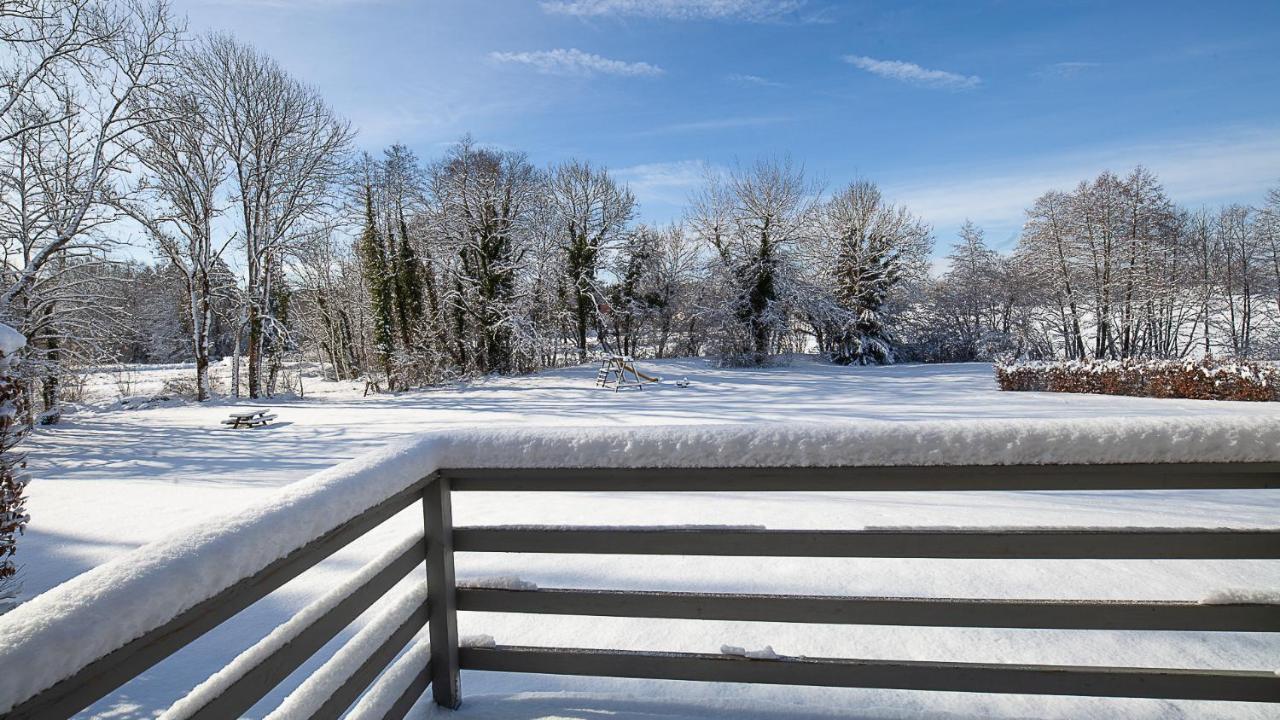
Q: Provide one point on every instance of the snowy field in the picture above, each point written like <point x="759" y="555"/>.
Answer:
<point x="109" y="480"/>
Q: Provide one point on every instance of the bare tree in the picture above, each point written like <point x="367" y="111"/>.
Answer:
<point x="592" y="212"/>
<point x="1047" y="252"/>
<point x="176" y="201"/>
<point x="677" y="270"/>
<point x="1240" y="244"/>
<point x="45" y="42"/>
<point x="1270" y="228"/>
<point x="73" y="115"/>
<point x="1117" y="256"/>
<point x="332" y="296"/>
<point x="286" y="150"/>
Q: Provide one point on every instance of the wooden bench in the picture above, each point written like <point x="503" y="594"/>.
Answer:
<point x="249" y="418"/>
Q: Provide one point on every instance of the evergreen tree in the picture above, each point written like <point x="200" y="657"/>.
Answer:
<point x="872" y="247"/>
<point x="408" y="287"/>
<point x="381" y="284"/>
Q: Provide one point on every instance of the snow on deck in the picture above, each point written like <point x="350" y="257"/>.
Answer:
<point x="108" y="482"/>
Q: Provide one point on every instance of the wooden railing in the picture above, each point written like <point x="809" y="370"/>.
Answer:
<point x="445" y="598"/>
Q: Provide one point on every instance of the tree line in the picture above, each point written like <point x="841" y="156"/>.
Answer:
<point x="480" y="262"/>
<point x="1112" y="269"/>
<point x="170" y="198"/>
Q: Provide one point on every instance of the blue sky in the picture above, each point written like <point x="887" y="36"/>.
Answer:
<point x="957" y="109"/>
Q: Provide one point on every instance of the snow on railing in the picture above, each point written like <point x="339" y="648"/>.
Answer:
<point x="59" y="633"/>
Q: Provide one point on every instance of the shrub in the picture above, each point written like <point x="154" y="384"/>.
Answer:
<point x="13" y="476"/>
<point x="1205" y="379"/>
<point x="182" y="387"/>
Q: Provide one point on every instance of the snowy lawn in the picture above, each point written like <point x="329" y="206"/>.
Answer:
<point x="110" y="481"/>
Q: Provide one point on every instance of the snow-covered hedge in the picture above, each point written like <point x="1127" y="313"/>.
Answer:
<point x="1205" y="379"/>
<point x="55" y="634"/>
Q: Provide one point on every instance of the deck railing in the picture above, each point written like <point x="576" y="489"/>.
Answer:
<point x="444" y="598"/>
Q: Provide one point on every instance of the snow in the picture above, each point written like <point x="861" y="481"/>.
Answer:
<point x="377" y="702"/>
<point x="477" y="641"/>
<point x="108" y="482"/>
<point x="11" y="341"/>
<point x="1242" y="596"/>
<point x="101" y="610"/>
<point x="283" y="635"/>
<point x="764" y="653"/>
<point x="502" y="582"/>
<point x="310" y="696"/>
<point x="928" y="442"/>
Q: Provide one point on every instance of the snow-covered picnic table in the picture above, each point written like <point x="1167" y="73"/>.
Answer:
<point x="249" y="418"/>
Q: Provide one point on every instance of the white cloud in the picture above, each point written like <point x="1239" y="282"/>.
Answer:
<point x="292" y="5"/>
<point x="572" y="61"/>
<point x="664" y="182"/>
<point x="727" y="123"/>
<point x="663" y="188"/>
<point x="745" y="10"/>
<point x="914" y="74"/>
<point x="1227" y="166"/>
<point x="752" y="80"/>
<point x="1066" y="69"/>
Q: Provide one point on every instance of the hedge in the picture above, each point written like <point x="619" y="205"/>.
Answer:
<point x="1204" y="379"/>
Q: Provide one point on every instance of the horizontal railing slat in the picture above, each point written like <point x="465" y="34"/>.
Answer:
<point x="251" y="687"/>
<point x="941" y="612"/>
<point x="95" y="680"/>
<point x="377" y="661"/>
<point x="409" y="696"/>
<point x="1082" y="543"/>
<point x="1242" y="685"/>
<point x="1167" y="476"/>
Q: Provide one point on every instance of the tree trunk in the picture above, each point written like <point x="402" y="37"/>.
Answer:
<point x="235" y="366"/>
<point x="201" y="315"/>
<point x="255" y="351"/>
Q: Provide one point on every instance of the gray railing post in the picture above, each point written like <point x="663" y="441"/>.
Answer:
<point x="442" y="615"/>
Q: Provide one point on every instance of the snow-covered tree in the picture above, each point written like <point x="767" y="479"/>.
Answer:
<point x="633" y="297"/>
<point x="591" y="213"/>
<point x="183" y="168"/>
<point x="483" y="206"/>
<point x="677" y="275"/>
<point x="752" y="220"/>
<point x="1121" y="263"/>
<point x="286" y="149"/>
<point x="1269" y="227"/>
<point x="78" y="76"/>
<point x="13" y="476"/>
<point x="864" y="247"/>
<point x="373" y="251"/>
<point x="1240" y="244"/>
<point x="331" y="293"/>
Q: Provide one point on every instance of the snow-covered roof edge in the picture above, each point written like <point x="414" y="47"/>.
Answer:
<point x="57" y="633"/>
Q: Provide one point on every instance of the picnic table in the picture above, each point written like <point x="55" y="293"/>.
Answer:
<point x="249" y="418"/>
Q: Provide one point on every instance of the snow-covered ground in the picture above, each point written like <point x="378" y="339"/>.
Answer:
<point x="109" y="480"/>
